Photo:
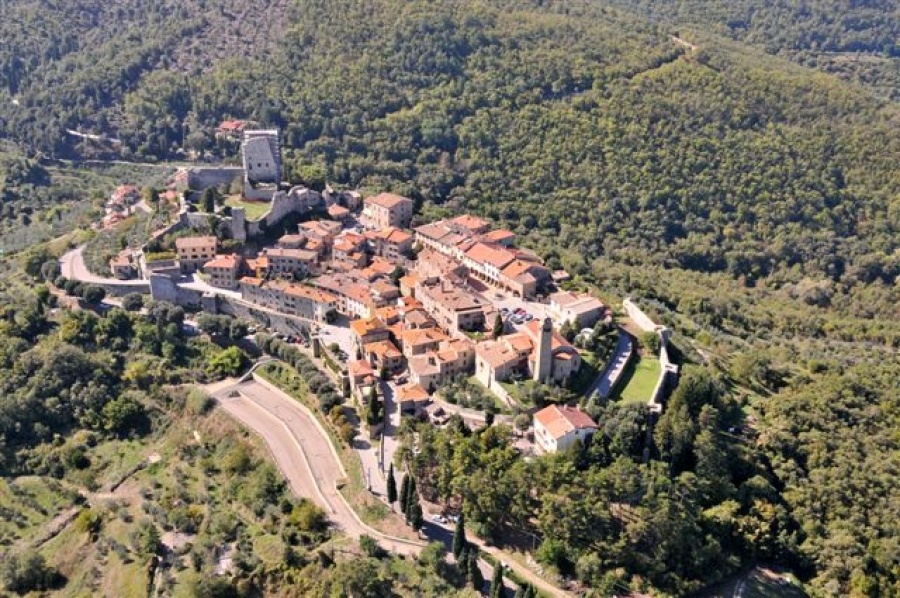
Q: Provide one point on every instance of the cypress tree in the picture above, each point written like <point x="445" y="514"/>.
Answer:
<point x="474" y="572"/>
<point x="459" y="536"/>
<point x="391" y="486"/>
<point x="404" y="493"/>
<point x="462" y="561"/>
<point x="497" y="582"/>
<point x="416" y="519"/>
<point x="413" y="496"/>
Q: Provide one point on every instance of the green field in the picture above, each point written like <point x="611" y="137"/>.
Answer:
<point x="639" y="380"/>
<point x="254" y="209"/>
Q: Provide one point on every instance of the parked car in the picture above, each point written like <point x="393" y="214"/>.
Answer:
<point x="504" y="310"/>
<point x="438" y="518"/>
<point x="519" y="311"/>
<point x="528" y="317"/>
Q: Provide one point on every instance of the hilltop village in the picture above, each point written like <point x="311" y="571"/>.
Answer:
<point x="400" y="307"/>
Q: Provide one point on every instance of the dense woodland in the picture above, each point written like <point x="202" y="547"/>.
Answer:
<point x="748" y="201"/>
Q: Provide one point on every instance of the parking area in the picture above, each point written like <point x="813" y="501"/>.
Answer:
<point x="516" y="311"/>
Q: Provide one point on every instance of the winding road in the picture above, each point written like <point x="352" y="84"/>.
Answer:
<point x="303" y="452"/>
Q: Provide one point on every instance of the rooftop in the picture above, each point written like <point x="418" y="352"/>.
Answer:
<point x="559" y="420"/>
<point x="470" y="222"/>
<point x="387" y="200"/>
<point x="412" y="392"/>
<point x="366" y="326"/>
<point x="230" y="262"/>
<point x="190" y="242"/>
<point x="304" y="255"/>
<point x="383" y="349"/>
<point x="484" y="253"/>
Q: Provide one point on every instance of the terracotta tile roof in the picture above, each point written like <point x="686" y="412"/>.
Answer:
<point x="251" y="281"/>
<point x="519" y="342"/>
<point x="360" y="369"/>
<point x="232" y="126"/>
<point x="412" y="392"/>
<point x="409" y="280"/>
<point x="499" y="235"/>
<point x="410" y="304"/>
<point x="487" y="254"/>
<point x="189" y="242"/>
<point x="336" y="211"/>
<point x="387" y="200"/>
<point x="421" y="336"/>
<point x="262" y="262"/>
<point x="559" y="420"/>
<point x="557" y="341"/>
<point x="365" y="326"/>
<point x="435" y="231"/>
<point x="517" y="268"/>
<point x="383" y="349"/>
<point x="496" y="354"/>
<point x="310" y="293"/>
<point x="231" y="262"/>
<point x="297" y="239"/>
<point x="303" y="255"/>
<point x="391" y="234"/>
<point x="424" y="365"/>
<point x="470" y="222"/>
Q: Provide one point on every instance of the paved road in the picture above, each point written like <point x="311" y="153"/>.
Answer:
<point x="304" y="455"/>
<point x="73" y="267"/>
<point x="616" y="365"/>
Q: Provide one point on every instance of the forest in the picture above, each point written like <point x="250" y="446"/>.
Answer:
<point x="750" y="202"/>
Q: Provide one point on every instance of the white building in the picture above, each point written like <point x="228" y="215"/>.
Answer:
<point x="557" y="427"/>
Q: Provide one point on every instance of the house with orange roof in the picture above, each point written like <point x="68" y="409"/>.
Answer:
<point x="501" y="236"/>
<point x="557" y="427"/>
<point x="452" y="307"/>
<point x="386" y="209"/>
<point x="486" y="261"/>
<point x="383" y="355"/>
<point x="338" y="213"/>
<point x="453" y="357"/>
<point x="289" y="298"/>
<point x="193" y="252"/>
<point x="408" y="285"/>
<point x="291" y="241"/>
<point x="416" y="341"/>
<point x="223" y="271"/>
<point x="412" y="397"/>
<point x="391" y="243"/>
<point x="368" y="330"/>
<point x="299" y="262"/>
<point x="121" y="265"/>
<point x="258" y="266"/>
<point x="467" y="224"/>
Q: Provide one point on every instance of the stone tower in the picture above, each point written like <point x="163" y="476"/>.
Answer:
<point x="543" y="361"/>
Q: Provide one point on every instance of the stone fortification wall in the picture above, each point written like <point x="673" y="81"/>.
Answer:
<point x="642" y="320"/>
<point x="122" y="288"/>
<point x="164" y="288"/>
<point x="199" y="179"/>
<point x="668" y="376"/>
<point x="282" y="323"/>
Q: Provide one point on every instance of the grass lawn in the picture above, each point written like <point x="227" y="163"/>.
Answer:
<point x="254" y="209"/>
<point x="639" y="380"/>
